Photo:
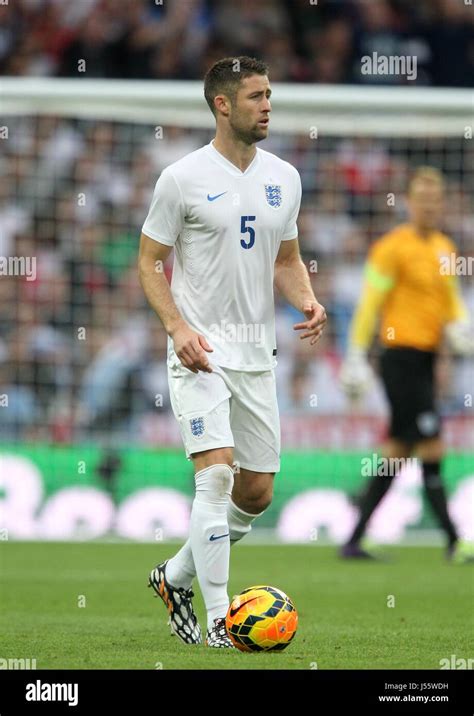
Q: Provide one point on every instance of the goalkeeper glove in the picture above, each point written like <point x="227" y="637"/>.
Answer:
<point x="356" y="374"/>
<point x="460" y="337"/>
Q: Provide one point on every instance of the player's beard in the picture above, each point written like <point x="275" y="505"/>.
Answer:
<point x="247" y="135"/>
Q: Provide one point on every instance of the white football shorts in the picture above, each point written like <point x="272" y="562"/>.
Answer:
<point x="228" y="408"/>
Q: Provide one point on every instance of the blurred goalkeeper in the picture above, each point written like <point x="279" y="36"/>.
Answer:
<point x="419" y="305"/>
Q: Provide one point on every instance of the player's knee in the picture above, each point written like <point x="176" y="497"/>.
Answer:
<point x="257" y="502"/>
<point x="215" y="456"/>
<point x="394" y="449"/>
<point x="264" y="501"/>
<point x="430" y="450"/>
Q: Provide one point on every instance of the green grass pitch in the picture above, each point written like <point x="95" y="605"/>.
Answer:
<point x="345" y="621"/>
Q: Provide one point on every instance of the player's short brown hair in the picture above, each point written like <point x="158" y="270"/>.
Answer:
<point x="225" y="76"/>
<point x="426" y="174"/>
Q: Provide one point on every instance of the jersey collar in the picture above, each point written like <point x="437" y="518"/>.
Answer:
<point x="227" y="165"/>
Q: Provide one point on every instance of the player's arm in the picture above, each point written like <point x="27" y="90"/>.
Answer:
<point x="189" y="346"/>
<point x="364" y="322"/>
<point x="356" y="373"/>
<point x="293" y="282"/>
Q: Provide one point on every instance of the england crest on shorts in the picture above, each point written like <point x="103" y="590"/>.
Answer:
<point x="273" y="194"/>
<point x="197" y="427"/>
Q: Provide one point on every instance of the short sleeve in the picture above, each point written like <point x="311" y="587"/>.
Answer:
<point x="291" y="228"/>
<point x="165" y="218"/>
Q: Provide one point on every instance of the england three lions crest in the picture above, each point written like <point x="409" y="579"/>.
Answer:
<point x="197" y="427"/>
<point x="273" y="194"/>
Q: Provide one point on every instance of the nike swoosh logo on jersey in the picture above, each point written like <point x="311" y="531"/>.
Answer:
<point x="213" y="538"/>
<point x="213" y="198"/>
<point x="233" y="612"/>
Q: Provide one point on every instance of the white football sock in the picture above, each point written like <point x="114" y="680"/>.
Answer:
<point x="240" y="522"/>
<point x="209" y="537"/>
<point x="180" y="569"/>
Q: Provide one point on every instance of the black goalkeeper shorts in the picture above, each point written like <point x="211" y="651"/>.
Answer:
<point x="408" y="378"/>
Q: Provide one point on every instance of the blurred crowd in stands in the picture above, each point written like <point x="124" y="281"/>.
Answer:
<point x="303" y="40"/>
<point x="81" y="353"/>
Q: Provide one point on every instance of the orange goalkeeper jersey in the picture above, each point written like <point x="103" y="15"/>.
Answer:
<point x="420" y="295"/>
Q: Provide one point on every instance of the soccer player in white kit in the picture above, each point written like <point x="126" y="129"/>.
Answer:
<point x="229" y="210"/>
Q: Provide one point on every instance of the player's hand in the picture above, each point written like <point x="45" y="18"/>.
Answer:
<point x="316" y="320"/>
<point x="190" y="348"/>
<point x="356" y="374"/>
<point x="460" y="337"/>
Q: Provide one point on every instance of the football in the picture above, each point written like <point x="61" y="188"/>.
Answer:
<point x="261" y="618"/>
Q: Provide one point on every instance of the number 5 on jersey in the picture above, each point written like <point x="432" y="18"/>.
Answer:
<point x="247" y="229"/>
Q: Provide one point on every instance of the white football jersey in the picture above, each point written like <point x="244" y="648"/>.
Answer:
<point x="226" y="226"/>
